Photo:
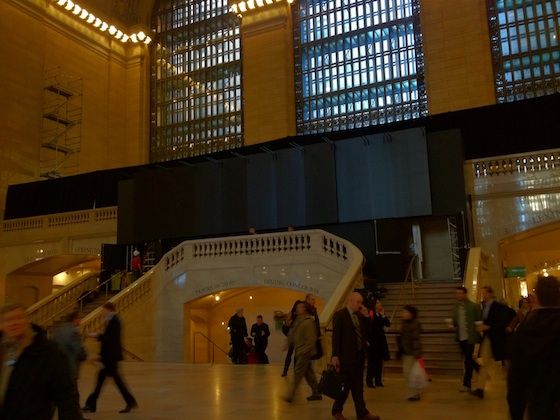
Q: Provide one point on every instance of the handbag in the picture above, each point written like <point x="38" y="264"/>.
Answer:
<point x="333" y="384"/>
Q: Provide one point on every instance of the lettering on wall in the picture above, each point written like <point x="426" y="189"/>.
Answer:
<point x="86" y="250"/>
<point x="217" y="286"/>
<point x="546" y="216"/>
<point x="292" y="285"/>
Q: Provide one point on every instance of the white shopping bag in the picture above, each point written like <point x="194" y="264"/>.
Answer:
<point x="418" y="378"/>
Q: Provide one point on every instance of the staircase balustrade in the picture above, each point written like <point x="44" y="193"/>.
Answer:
<point x="275" y="244"/>
<point x="57" y="303"/>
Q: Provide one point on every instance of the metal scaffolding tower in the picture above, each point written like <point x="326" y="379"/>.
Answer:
<point x="61" y="132"/>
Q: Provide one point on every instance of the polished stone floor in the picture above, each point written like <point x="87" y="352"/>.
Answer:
<point x="186" y="391"/>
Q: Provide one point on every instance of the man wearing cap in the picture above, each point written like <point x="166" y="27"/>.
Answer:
<point x="238" y="331"/>
<point x="136" y="265"/>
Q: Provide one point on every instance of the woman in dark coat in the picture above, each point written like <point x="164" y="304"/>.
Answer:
<point x="378" y="350"/>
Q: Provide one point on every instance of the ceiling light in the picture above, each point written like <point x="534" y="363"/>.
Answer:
<point x="84" y="14"/>
<point x="61" y="2"/>
<point x="104" y="27"/>
<point x="90" y="18"/>
<point x="134" y="38"/>
<point x="141" y="35"/>
<point x="251" y="4"/>
<point x="112" y="30"/>
<point x="98" y="22"/>
<point x="77" y="9"/>
<point x="125" y="38"/>
<point x="243" y="6"/>
<point x="217" y="297"/>
<point x="69" y="5"/>
<point x="147" y="40"/>
<point x="119" y="34"/>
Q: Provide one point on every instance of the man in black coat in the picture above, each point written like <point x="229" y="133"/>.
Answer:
<point x="349" y="343"/>
<point x="35" y="375"/>
<point x="260" y="332"/>
<point x="238" y="331"/>
<point x="378" y="350"/>
<point x="535" y="367"/>
<point x="496" y="317"/>
<point x="111" y="355"/>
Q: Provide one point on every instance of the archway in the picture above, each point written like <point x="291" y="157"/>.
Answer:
<point x="209" y="316"/>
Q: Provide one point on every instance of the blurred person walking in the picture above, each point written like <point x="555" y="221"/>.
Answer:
<point x="35" y="374"/>
<point x="110" y="356"/>
<point x="69" y="339"/>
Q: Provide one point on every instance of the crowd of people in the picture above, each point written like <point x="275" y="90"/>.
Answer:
<point x="527" y="342"/>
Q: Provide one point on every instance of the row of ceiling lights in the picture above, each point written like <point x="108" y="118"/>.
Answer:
<point x="100" y="24"/>
<point x="243" y="6"/>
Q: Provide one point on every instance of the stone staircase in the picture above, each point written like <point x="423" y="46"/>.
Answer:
<point x="434" y="301"/>
<point x="84" y="309"/>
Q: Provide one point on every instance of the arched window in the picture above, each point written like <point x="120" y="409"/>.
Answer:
<point x="525" y="39"/>
<point x="196" y="79"/>
<point x="358" y="63"/>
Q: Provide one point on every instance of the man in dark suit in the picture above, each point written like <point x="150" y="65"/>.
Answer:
<point x="349" y="344"/>
<point x="111" y="355"/>
<point x="496" y="317"/>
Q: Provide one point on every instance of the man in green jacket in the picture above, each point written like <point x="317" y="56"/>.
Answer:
<point x="465" y="315"/>
<point x="303" y="336"/>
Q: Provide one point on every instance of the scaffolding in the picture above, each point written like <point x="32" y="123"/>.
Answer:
<point x="61" y="131"/>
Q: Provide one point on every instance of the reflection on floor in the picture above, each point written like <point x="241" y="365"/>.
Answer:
<point x="208" y="392"/>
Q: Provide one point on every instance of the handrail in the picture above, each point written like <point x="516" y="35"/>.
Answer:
<point x="80" y="300"/>
<point x="409" y="274"/>
<point x="214" y="345"/>
<point x="135" y="357"/>
<point x="42" y="311"/>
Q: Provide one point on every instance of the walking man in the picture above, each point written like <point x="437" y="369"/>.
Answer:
<point x="349" y="342"/>
<point x="496" y="317"/>
<point x="70" y="341"/>
<point x="260" y="332"/>
<point x="465" y="316"/>
<point x="303" y="337"/>
<point x="111" y="355"/>
<point x="238" y="331"/>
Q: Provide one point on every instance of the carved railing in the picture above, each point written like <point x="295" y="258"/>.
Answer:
<point x="512" y="164"/>
<point x="316" y="242"/>
<point x="58" y="303"/>
<point x="75" y="218"/>
<point x="123" y="301"/>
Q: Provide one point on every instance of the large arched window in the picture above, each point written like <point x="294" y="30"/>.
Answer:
<point x="196" y="79"/>
<point x="358" y="63"/>
<point x="525" y="40"/>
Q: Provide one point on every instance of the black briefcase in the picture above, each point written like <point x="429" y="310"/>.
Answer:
<point x="332" y="384"/>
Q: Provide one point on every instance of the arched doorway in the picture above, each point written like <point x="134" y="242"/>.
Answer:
<point x="206" y="320"/>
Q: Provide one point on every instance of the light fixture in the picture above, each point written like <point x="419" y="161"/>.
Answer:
<point x="251" y="297"/>
<point x="217" y="297"/>
<point x="242" y="6"/>
<point x="103" y="26"/>
<point x="251" y="4"/>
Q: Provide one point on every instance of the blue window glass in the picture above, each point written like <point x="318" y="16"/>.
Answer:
<point x="359" y="60"/>
<point x="525" y="39"/>
<point x="196" y="79"/>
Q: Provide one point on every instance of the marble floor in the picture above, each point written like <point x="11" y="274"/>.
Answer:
<point x="186" y="391"/>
